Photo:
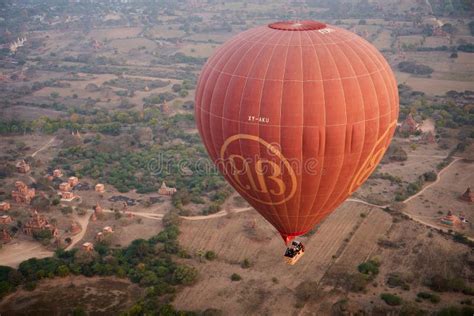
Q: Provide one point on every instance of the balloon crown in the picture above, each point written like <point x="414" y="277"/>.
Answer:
<point x="306" y="25"/>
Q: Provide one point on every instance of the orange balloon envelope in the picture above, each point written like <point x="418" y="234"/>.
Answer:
<point x="296" y="115"/>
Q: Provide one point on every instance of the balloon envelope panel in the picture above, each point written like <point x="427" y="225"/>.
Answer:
<point x="296" y="115"/>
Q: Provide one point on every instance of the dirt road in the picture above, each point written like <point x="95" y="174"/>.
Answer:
<point x="44" y="146"/>
<point x="84" y="222"/>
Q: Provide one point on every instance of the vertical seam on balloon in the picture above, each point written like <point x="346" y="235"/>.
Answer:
<point x="345" y="114"/>
<point x="212" y="98"/>
<point x="263" y="45"/>
<point x="281" y="108"/>
<point x="343" y="192"/>
<point x="319" y="131"/>
<point x="300" y="165"/>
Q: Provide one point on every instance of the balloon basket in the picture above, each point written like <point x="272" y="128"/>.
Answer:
<point x="295" y="259"/>
<point x="294" y="252"/>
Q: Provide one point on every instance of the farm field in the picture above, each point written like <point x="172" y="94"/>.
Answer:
<point x="257" y="241"/>
<point x="433" y="86"/>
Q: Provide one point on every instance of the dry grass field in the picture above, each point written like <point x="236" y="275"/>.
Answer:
<point x="114" y="33"/>
<point x="199" y="50"/>
<point x="433" y="86"/>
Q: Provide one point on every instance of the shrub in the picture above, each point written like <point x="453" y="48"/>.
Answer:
<point x="433" y="298"/>
<point x="424" y="295"/>
<point x="5" y="288"/>
<point x="396" y="280"/>
<point x="356" y="282"/>
<point x="235" y="277"/>
<point x="245" y="264"/>
<point x="370" y="267"/>
<point x="391" y="299"/>
<point x="66" y="210"/>
<point x="430" y="176"/>
<point x="210" y="255"/>
<point x="42" y="235"/>
<point x="185" y="275"/>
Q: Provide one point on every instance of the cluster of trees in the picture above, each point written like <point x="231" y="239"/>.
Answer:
<point x="412" y="188"/>
<point x="182" y="89"/>
<point x="468" y="48"/>
<point x="439" y="283"/>
<point x="471" y="27"/>
<point x="145" y="169"/>
<point x="448" y="114"/>
<point x="451" y="7"/>
<point x="146" y="262"/>
<point x="414" y="68"/>
<point x="155" y="98"/>
<point x="447" y="111"/>
<point x="99" y="120"/>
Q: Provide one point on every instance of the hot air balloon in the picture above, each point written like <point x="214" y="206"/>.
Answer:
<point x="296" y="115"/>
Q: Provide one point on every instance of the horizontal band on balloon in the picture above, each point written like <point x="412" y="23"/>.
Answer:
<point x="293" y="126"/>
<point x="385" y="68"/>
<point x="242" y="39"/>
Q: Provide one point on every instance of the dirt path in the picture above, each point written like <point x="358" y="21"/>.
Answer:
<point x="438" y="178"/>
<point x="141" y="214"/>
<point x="218" y="214"/>
<point x="44" y="146"/>
<point x="84" y="222"/>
